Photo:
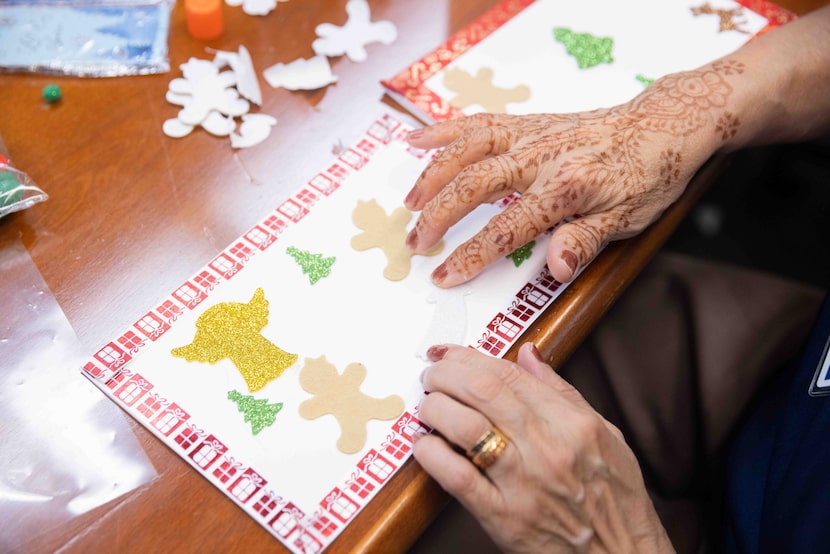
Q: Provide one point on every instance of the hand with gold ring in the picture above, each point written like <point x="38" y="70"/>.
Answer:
<point x="521" y="449"/>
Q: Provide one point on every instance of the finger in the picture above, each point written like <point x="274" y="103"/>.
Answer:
<point x="442" y="133"/>
<point x="484" y="182"/>
<point x="482" y="382"/>
<point x="531" y="360"/>
<point x="457" y="475"/>
<point x="576" y="243"/>
<point x="456" y="422"/>
<point x="517" y="225"/>
<point x="472" y="145"/>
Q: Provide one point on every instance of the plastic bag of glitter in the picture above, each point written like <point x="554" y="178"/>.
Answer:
<point x="17" y="190"/>
<point x="85" y="38"/>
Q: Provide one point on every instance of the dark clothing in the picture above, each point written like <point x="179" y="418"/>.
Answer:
<point x="778" y="491"/>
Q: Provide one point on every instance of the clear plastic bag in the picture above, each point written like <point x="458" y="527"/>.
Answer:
<point x="86" y="38"/>
<point x="66" y="448"/>
<point x="17" y="190"/>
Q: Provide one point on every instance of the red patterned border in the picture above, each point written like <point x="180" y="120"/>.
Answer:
<point x="207" y="453"/>
<point x="409" y="83"/>
<point x="775" y="14"/>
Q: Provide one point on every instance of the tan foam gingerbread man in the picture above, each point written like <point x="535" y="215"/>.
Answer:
<point x="387" y="232"/>
<point x="479" y="89"/>
<point x="340" y="396"/>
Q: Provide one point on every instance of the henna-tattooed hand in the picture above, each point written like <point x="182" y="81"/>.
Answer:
<point x="618" y="169"/>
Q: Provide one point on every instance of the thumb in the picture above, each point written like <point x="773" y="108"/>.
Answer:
<point x="531" y="361"/>
<point x="576" y="243"/>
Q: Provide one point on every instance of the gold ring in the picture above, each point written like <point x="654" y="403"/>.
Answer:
<point x="488" y="449"/>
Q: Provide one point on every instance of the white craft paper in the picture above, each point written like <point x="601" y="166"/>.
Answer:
<point x="254" y="7"/>
<point x="354" y="315"/>
<point x="255" y="128"/>
<point x="351" y="38"/>
<point x="243" y="68"/>
<point x="301" y="74"/>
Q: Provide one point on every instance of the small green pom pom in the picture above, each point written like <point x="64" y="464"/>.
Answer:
<point x="10" y="191"/>
<point x="51" y="93"/>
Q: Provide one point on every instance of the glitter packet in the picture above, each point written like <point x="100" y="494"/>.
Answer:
<point x="88" y="38"/>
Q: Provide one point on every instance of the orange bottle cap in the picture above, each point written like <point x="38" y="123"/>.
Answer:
<point x="204" y="18"/>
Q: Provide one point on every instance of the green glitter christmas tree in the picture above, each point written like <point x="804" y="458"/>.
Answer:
<point x="585" y="47"/>
<point x="522" y="253"/>
<point x="258" y="412"/>
<point x="314" y="265"/>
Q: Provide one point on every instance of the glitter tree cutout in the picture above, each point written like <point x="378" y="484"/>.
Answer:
<point x="258" y="412"/>
<point x="232" y="330"/>
<point x="729" y="19"/>
<point x="645" y="81"/>
<point x="587" y="49"/>
<point x="522" y="253"/>
<point x="314" y="265"/>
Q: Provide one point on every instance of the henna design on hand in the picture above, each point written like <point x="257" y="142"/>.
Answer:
<point x="618" y="168"/>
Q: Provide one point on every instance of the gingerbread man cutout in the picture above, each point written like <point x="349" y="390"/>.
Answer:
<point x="481" y="90"/>
<point x="340" y="396"/>
<point x="387" y="232"/>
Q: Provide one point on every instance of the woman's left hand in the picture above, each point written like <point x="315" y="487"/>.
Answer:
<point x="566" y="480"/>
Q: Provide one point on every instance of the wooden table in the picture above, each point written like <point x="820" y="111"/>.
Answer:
<point x="124" y="199"/>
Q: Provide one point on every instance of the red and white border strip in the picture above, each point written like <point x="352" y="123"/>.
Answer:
<point x="171" y="422"/>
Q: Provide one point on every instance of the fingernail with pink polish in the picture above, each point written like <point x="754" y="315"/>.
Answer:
<point x="535" y="352"/>
<point x="413" y="196"/>
<point x="412" y="239"/>
<point x="440" y="274"/>
<point x="436" y="353"/>
<point x="570" y="259"/>
<point x="416" y="134"/>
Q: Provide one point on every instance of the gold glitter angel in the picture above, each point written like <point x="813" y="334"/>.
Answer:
<point x="232" y="330"/>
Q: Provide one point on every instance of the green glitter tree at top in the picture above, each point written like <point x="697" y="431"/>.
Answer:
<point x="314" y="265"/>
<point x="585" y="47"/>
<point x="258" y="412"/>
<point x="522" y="253"/>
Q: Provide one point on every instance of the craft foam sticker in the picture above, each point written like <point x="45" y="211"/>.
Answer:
<point x="523" y="253"/>
<point x="213" y="97"/>
<point x="313" y="265"/>
<point x="249" y="311"/>
<point x="351" y="39"/>
<point x="243" y="69"/>
<point x="479" y="89"/>
<point x="232" y="330"/>
<point x="257" y="411"/>
<point x="729" y="19"/>
<point x="339" y="395"/>
<point x="255" y="7"/>
<point x="255" y="128"/>
<point x="387" y="233"/>
<point x="301" y="74"/>
<point x="586" y="49"/>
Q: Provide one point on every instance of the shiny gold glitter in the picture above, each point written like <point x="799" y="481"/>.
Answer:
<point x="522" y="253"/>
<point x="314" y="265"/>
<point x="258" y="412"/>
<point x="232" y="330"/>
<point x="586" y="48"/>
